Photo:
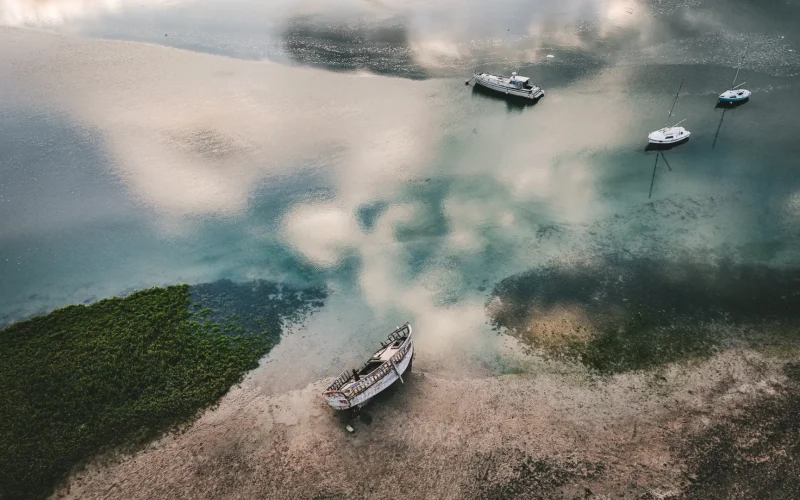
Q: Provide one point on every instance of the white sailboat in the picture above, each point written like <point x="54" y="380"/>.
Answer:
<point x="735" y="94"/>
<point x="670" y="135"/>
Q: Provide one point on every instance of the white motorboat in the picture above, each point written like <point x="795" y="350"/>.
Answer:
<point x="514" y="85"/>
<point x="353" y="388"/>
<point x="670" y="134"/>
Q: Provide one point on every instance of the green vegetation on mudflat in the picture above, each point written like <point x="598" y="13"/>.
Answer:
<point x="623" y="314"/>
<point x="83" y="380"/>
<point x="640" y="345"/>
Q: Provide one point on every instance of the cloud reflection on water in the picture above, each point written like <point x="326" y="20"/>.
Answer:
<point x="194" y="136"/>
<point x="57" y="12"/>
<point x="421" y="39"/>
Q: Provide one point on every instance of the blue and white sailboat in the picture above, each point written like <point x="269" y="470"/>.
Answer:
<point x="735" y="94"/>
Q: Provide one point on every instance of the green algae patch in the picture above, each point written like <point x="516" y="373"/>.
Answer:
<point x="620" y="315"/>
<point x="84" y="380"/>
<point x="639" y="345"/>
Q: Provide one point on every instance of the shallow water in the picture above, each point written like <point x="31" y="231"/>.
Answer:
<point x="335" y="144"/>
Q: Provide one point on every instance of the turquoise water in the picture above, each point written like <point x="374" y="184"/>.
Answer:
<point x="336" y="144"/>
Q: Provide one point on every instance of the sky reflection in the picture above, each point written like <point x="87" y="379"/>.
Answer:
<point x="135" y="165"/>
<point x="424" y="38"/>
<point x="61" y="12"/>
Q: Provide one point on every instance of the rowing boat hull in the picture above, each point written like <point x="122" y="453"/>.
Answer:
<point x="374" y="383"/>
<point x="375" y="389"/>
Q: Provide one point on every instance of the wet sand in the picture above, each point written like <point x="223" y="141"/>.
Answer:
<point x="558" y="434"/>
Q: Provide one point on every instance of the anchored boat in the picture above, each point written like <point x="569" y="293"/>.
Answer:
<point x="735" y="94"/>
<point x="670" y="135"/>
<point x="515" y="85"/>
<point x="353" y="388"/>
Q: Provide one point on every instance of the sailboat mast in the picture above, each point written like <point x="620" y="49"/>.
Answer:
<point x="674" y="102"/>
<point x="741" y="62"/>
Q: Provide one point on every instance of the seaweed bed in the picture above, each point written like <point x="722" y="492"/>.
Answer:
<point x="511" y="473"/>
<point x="84" y="380"/>
<point x="259" y="308"/>
<point x="624" y="315"/>
<point x="752" y="454"/>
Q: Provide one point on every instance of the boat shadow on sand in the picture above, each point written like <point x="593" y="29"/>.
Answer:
<point x="393" y="397"/>
<point x="513" y="103"/>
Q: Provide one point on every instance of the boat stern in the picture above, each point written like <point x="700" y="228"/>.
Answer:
<point x="336" y="400"/>
<point x="656" y="137"/>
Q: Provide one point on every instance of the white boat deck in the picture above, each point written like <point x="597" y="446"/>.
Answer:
<point x="735" y="95"/>
<point x="669" y="135"/>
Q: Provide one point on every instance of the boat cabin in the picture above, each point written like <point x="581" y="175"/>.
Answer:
<point x="520" y="82"/>
<point x="670" y="134"/>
